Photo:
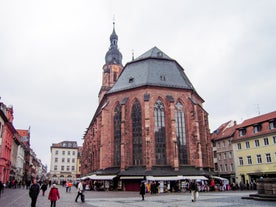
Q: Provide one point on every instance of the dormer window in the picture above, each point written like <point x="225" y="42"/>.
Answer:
<point x="242" y="132"/>
<point x="272" y="124"/>
<point x="257" y="128"/>
<point x="162" y="77"/>
<point x="160" y="54"/>
<point x="131" y="80"/>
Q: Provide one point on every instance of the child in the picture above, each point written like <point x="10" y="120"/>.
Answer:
<point x="53" y="195"/>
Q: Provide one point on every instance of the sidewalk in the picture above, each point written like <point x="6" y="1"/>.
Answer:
<point x="20" y="198"/>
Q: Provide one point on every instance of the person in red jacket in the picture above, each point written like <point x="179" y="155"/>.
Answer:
<point x="53" y="195"/>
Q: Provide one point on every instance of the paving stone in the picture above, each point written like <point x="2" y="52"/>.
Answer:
<point x="20" y="198"/>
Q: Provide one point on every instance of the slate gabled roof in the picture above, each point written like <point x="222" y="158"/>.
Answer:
<point x="153" y="68"/>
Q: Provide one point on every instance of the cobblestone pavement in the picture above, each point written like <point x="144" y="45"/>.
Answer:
<point x="20" y="198"/>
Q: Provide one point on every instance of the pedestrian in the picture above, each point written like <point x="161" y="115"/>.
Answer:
<point x="142" y="190"/>
<point x="212" y="185"/>
<point x="194" y="190"/>
<point x="50" y="183"/>
<point x="43" y="188"/>
<point x="53" y="195"/>
<point x="69" y="186"/>
<point x="28" y="184"/>
<point x="34" y="192"/>
<point x="80" y="192"/>
<point x="1" y="188"/>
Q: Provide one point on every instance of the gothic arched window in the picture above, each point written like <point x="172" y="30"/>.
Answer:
<point x="160" y="133"/>
<point x="181" y="133"/>
<point x="117" y="135"/>
<point x="136" y="116"/>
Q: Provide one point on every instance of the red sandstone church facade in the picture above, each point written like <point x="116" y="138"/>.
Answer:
<point x="150" y="120"/>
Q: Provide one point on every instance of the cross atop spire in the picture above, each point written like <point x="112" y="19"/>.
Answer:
<point x="113" y="20"/>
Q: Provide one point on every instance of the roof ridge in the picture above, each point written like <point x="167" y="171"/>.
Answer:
<point x="154" y="52"/>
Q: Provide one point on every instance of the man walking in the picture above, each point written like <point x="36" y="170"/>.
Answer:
<point x="194" y="190"/>
<point x="34" y="192"/>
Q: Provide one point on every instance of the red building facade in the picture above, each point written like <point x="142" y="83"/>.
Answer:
<point x="7" y="132"/>
<point x="150" y="120"/>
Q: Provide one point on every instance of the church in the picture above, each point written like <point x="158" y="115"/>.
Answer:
<point x="150" y="123"/>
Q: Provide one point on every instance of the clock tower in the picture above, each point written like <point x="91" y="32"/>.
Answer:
<point x="113" y="65"/>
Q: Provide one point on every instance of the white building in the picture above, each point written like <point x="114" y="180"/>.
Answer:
<point x="20" y="162"/>
<point x="63" y="165"/>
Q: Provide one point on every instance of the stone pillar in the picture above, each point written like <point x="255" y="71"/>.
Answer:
<point x="172" y="140"/>
<point x="123" y="137"/>
<point x="148" y="140"/>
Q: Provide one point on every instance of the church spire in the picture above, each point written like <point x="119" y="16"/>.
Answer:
<point x="113" y="55"/>
<point x="113" y="65"/>
<point x="113" y="38"/>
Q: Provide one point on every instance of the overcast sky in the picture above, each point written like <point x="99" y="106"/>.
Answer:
<point x="52" y="53"/>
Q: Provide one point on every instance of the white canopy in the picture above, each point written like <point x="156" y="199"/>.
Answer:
<point x="179" y="177"/>
<point x="102" y="177"/>
<point x="85" y="177"/>
<point x="131" y="177"/>
<point x="193" y="177"/>
<point x="219" y="178"/>
<point x="153" y="178"/>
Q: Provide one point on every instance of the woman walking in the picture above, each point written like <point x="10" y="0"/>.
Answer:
<point x="53" y="195"/>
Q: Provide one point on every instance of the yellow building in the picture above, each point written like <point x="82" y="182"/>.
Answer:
<point x="79" y="162"/>
<point x="254" y="147"/>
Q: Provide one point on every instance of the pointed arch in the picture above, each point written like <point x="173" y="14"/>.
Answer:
<point x="136" y="116"/>
<point x="159" y="133"/>
<point x="117" y="119"/>
<point x="180" y="126"/>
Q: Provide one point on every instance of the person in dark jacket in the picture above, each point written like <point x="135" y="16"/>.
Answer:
<point x="194" y="190"/>
<point x="142" y="190"/>
<point x="53" y="195"/>
<point x="34" y="192"/>
<point x="1" y="188"/>
<point x="43" y="188"/>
